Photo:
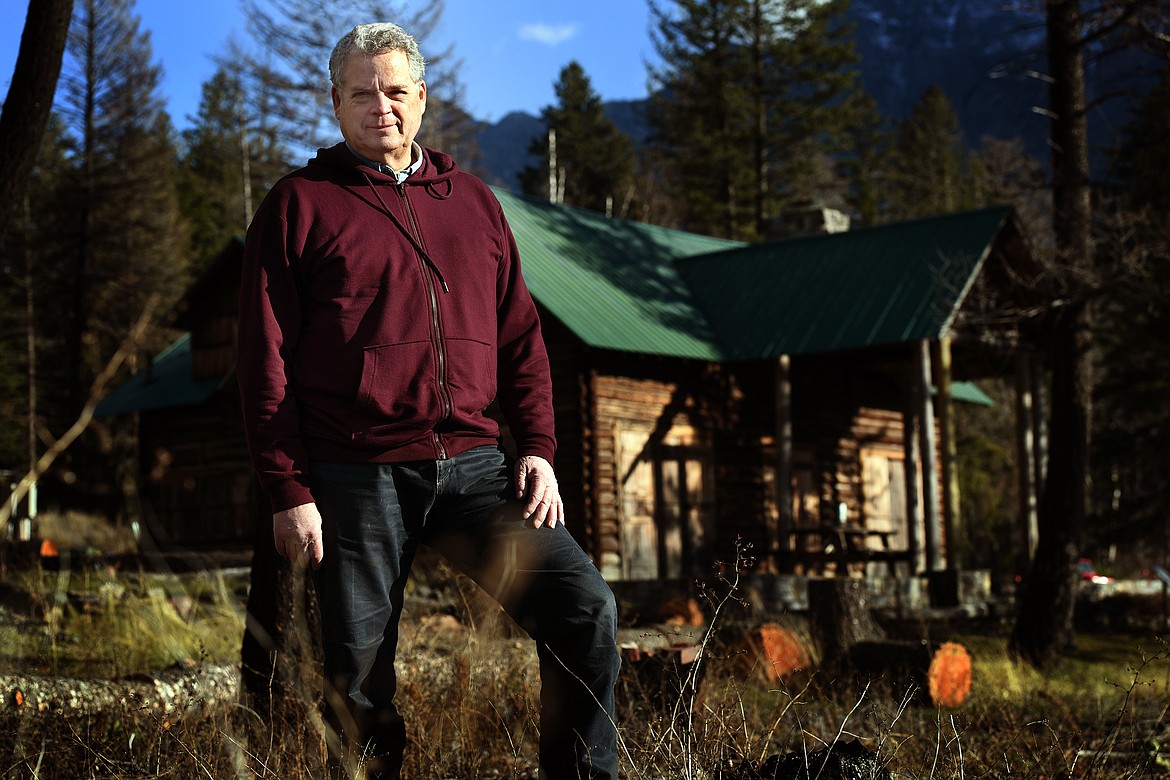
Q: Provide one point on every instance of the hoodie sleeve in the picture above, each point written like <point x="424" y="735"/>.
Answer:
<point x="524" y="382"/>
<point x="270" y="321"/>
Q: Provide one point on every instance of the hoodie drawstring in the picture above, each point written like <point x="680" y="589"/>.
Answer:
<point x="414" y="242"/>
<point x="433" y="189"/>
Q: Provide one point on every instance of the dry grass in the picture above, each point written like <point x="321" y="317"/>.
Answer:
<point x="471" y="702"/>
<point x="82" y="531"/>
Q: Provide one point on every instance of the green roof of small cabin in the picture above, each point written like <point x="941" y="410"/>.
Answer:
<point x="635" y="288"/>
<point x="169" y="383"/>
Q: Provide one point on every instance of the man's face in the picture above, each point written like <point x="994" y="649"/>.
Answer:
<point x="379" y="107"/>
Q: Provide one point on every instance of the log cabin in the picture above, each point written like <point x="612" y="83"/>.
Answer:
<point x="794" y="394"/>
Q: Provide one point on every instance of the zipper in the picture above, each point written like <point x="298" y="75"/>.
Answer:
<point x="436" y="323"/>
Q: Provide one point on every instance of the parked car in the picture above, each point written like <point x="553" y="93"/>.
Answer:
<point x="1088" y="573"/>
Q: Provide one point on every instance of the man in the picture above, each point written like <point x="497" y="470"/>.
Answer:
<point x="382" y="310"/>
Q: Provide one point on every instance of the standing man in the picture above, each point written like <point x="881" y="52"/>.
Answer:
<point x="382" y="310"/>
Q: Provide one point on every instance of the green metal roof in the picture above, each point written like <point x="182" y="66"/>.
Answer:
<point x="638" y="288"/>
<point x="881" y="285"/>
<point x="969" y="393"/>
<point x="612" y="282"/>
<point x="169" y="383"/>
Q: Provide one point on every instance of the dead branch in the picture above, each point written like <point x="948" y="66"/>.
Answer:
<point x="97" y="391"/>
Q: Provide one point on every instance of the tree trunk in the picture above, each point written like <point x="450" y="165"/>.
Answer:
<point x="30" y="99"/>
<point x="1044" y="623"/>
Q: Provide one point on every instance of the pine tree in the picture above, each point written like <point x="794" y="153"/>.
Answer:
<point x="1044" y="621"/>
<point x="1143" y="157"/>
<point x="750" y="104"/>
<point x="864" y="164"/>
<point x="230" y="160"/>
<point x="26" y="287"/>
<point x="594" y="160"/>
<point x="928" y="172"/>
<point x="37" y="269"/>
<point x="811" y="67"/>
<point x="1131" y="418"/>
<point x="117" y="240"/>
<point x="129" y="233"/>
<point x="701" y="112"/>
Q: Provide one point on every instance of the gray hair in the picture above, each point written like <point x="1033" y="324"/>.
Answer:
<point x="376" y="38"/>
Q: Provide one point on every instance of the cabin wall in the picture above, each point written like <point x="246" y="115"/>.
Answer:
<point x="848" y="461"/>
<point x="198" y="485"/>
<point x="652" y="466"/>
<point x="574" y="459"/>
<point x="213" y="335"/>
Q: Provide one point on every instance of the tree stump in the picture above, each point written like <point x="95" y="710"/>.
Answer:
<point x="840" y="618"/>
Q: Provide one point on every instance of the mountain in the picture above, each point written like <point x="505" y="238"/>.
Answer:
<point x="988" y="57"/>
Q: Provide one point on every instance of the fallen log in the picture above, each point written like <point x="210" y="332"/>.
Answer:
<point x="176" y="690"/>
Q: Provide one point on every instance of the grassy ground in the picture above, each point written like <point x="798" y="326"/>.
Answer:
<point x="470" y="697"/>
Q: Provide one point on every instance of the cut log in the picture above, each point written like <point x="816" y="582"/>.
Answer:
<point x="772" y="652"/>
<point x="949" y="675"/>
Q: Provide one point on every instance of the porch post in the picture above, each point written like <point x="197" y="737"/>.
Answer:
<point x="782" y="543"/>
<point x="1026" y="455"/>
<point x="914" y="520"/>
<point x="928" y="444"/>
<point x="950" y="455"/>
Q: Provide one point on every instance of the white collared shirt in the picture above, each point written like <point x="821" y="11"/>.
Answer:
<point x="416" y="161"/>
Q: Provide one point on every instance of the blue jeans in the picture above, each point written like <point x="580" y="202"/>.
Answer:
<point x="376" y="515"/>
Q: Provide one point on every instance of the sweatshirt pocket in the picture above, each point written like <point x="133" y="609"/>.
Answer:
<point x="398" y="399"/>
<point x="471" y="376"/>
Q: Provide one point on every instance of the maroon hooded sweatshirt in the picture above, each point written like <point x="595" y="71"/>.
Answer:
<point x="379" y="320"/>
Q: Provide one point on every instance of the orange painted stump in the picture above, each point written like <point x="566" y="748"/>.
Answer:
<point x="949" y="675"/>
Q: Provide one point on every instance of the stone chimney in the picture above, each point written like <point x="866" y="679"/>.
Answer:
<point x="808" y="220"/>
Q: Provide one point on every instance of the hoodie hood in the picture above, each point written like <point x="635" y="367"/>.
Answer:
<point x="437" y="168"/>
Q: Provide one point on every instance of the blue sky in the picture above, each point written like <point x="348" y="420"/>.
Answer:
<point x="512" y="51"/>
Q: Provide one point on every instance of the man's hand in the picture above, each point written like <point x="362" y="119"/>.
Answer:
<point x="297" y="532"/>
<point x="536" y="482"/>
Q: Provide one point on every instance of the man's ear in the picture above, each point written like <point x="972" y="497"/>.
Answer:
<point x="422" y="95"/>
<point x="333" y="93"/>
